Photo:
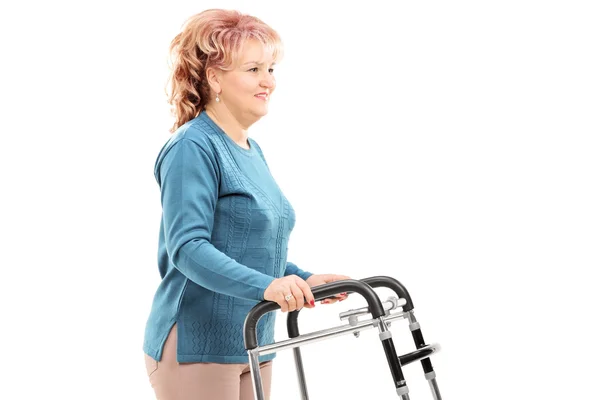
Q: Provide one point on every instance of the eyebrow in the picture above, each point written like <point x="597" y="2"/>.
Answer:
<point x="256" y="62"/>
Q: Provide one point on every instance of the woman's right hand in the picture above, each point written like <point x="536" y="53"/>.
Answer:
<point x="294" y="285"/>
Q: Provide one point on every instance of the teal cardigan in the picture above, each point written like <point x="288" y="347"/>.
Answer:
<point x="223" y="239"/>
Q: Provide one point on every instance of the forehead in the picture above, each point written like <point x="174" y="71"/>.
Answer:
<point x="255" y="51"/>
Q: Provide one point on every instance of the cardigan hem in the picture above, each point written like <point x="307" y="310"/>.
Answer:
<point x="209" y="358"/>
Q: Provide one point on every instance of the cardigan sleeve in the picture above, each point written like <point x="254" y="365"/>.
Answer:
<point x="292" y="269"/>
<point x="189" y="182"/>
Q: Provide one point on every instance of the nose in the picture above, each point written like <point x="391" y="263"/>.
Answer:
<point x="268" y="81"/>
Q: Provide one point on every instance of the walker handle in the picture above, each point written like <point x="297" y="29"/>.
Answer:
<point x="395" y="285"/>
<point x="319" y="292"/>
<point x="374" y="282"/>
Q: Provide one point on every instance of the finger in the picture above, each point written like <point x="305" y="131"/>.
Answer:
<point x="307" y="293"/>
<point x="299" y="297"/>
<point x="282" y="302"/>
<point x="335" y="277"/>
<point x="335" y="299"/>
<point x="292" y="301"/>
<point x="341" y="277"/>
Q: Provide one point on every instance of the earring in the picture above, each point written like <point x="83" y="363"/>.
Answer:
<point x="217" y="99"/>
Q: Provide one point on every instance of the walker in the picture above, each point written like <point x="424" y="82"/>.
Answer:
<point x="381" y="318"/>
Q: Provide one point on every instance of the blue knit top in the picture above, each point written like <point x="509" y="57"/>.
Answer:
<point x="223" y="239"/>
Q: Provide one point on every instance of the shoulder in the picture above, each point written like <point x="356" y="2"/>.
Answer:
<point x="198" y="132"/>
<point x="192" y="138"/>
<point x="255" y="144"/>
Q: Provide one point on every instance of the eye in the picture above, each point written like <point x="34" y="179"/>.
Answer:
<point x="255" y="69"/>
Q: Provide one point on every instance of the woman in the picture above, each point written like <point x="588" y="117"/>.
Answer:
<point x="225" y="223"/>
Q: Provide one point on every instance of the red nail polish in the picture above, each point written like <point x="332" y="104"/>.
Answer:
<point x="312" y="303"/>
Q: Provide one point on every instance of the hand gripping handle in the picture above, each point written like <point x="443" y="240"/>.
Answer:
<point x="320" y="292"/>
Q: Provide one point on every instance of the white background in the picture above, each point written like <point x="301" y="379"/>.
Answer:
<point x="451" y="145"/>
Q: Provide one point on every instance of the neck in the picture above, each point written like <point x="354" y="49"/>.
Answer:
<point x="232" y="126"/>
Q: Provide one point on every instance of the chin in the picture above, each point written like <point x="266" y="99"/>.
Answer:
<point x="253" y="117"/>
<point x="259" y="113"/>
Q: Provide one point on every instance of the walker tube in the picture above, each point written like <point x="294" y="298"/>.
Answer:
<point x="375" y="281"/>
<point x="319" y="292"/>
<point x="396" y="286"/>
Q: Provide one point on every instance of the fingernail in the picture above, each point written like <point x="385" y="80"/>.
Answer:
<point x="312" y="303"/>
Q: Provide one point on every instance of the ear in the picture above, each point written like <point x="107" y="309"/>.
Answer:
<point x="213" y="76"/>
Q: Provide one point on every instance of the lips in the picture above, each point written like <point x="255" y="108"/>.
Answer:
<point x="262" y="95"/>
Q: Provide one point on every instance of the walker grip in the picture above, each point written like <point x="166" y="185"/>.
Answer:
<point x="319" y="292"/>
<point x="395" y="285"/>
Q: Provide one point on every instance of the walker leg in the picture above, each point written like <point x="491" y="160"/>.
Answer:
<point x="435" y="391"/>
<point x="300" y="373"/>
<point x="255" y="373"/>
<point x="415" y="328"/>
<point x="394" y="363"/>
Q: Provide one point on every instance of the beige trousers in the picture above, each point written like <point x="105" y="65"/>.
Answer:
<point x="202" y="381"/>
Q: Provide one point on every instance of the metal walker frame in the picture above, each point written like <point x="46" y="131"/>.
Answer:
<point x="381" y="318"/>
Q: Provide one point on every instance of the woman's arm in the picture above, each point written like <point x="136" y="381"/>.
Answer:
<point x="189" y="191"/>
<point x="292" y="269"/>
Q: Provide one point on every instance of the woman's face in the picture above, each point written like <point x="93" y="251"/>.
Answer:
<point x="246" y="90"/>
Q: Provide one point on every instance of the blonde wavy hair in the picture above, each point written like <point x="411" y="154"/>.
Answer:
<point x="211" y="39"/>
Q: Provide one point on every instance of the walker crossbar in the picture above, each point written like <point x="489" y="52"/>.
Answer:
<point x="319" y="292"/>
<point x="381" y="315"/>
<point x="422" y="353"/>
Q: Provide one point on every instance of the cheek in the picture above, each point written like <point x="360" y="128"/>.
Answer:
<point x="247" y="87"/>
<point x="240" y="86"/>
